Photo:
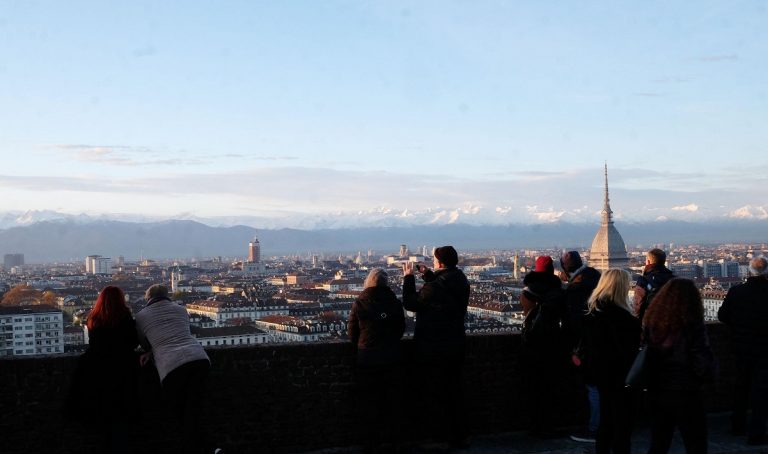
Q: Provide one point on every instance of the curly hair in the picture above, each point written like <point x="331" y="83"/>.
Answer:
<point x="677" y="306"/>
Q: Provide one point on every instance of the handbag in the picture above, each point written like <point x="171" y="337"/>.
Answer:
<point x="637" y="377"/>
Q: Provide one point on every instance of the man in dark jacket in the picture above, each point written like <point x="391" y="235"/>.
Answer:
<point x="440" y="306"/>
<point x="581" y="281"/>
<point x="655" y="275"/>
<point x="745" y="311"/>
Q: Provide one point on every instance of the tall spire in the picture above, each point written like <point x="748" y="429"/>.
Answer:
<point x="607" y="214"/>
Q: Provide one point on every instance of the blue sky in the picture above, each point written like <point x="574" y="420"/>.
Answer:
<point x="308" y="107"/>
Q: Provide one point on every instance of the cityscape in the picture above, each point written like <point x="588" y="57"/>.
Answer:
<point x="307" y="298"/>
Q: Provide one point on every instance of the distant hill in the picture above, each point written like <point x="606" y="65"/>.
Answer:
<point x="66" y="240"/>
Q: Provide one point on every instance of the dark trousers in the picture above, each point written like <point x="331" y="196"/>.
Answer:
<point x="379" y="400"/>
<point x="677" y="408"/>
<point x="751" y="391"/>
<point x="441" y="388"/>
<point x="184" y="391"/>
<point x="539" y="397"/>
<point x="614" y="434"/>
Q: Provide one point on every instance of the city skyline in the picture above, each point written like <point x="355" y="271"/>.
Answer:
<point x="438" y="112"/>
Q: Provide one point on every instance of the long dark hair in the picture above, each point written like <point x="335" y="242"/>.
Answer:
<point x="110" y="308"/>
<point x="677" y="306"/>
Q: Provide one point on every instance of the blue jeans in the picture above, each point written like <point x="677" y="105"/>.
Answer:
<point x="594" y="408"/>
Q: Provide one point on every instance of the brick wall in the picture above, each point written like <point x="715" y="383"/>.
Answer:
<point x="283" y="398"/>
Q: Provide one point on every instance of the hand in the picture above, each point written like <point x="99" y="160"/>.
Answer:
<point x="575" y="359"/>
<point x="144" y="358"/>
<point x="408" y="269"/>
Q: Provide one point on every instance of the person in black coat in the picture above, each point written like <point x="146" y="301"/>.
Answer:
<point x="376" y="325"/>
<point x="745" y="311"/>
<point x="543" y="351"/>
<point x="678" y="363"/>
<point x="107" y="372"/>
<point x="611" y="342"/>
<point x="441" y="307"/>
<point x="581" y="281"/>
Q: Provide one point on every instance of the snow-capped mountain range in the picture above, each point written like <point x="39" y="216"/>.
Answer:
<point x="393" y="217"/>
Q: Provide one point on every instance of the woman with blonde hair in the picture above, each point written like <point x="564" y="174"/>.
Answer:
<point x="376" y="324"/>
<point x="611" y="342"/>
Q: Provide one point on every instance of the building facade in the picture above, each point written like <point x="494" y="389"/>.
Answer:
<point x="31" y="330"/>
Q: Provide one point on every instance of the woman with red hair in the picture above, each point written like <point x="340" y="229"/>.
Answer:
<point x="111" y="367"/>
<point x="679" y="361"/>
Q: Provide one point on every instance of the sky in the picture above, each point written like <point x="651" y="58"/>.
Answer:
<point x="444" y="111"/>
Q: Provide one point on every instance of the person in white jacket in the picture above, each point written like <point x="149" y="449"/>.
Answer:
<point x="163" y="331"/>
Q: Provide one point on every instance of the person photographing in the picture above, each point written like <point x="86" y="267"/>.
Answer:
<point x="440" y="306"/>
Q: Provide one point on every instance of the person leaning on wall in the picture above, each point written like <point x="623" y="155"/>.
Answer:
<point x="164" y="332"/>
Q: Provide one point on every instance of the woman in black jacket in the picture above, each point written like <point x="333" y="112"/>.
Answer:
<point x="679" y="361"/>
<point x="376" y="324"/>
<point x="611" y="341"/>
<point x="107" y="372"/>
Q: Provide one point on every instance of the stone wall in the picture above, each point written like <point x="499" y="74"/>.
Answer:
<point x="285" y="398"/>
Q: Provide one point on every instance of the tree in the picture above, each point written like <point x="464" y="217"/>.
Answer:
<point x="24" y="295"/>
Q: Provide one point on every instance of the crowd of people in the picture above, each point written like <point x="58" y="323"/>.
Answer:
<point x="577" y="319"/>
<point x="662" y="334"/>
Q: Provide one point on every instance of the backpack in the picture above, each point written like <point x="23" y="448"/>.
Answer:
<point x="652" y="283"/>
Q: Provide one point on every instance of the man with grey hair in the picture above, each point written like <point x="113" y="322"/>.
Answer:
<point x="745" y="311"/>
<point x="163" y="330"/>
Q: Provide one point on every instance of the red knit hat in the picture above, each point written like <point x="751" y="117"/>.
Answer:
<point x="544" y="264"/>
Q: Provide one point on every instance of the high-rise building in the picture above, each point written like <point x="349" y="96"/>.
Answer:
<point x="608" y="249"/>
<point x="11" y="260"/>
<point x="254" y="251"/>
<point x="96" y="264"/>
<point x="403" y="250"/>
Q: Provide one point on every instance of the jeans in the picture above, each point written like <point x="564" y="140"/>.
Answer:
<point x="594" y="408"/>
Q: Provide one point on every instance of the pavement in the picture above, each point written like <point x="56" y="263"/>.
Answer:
<point x="720" y="441"/>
